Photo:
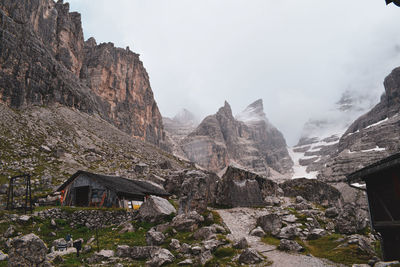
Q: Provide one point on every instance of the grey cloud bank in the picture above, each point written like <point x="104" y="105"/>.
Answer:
<point x="298" y="56"/>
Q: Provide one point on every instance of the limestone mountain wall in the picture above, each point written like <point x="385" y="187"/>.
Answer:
<point x="221" y="140"/>
<point x="371" y="137"/>
<point x="44" y="60"/>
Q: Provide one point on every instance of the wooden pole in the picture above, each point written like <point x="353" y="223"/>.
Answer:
<point x="97" y="238"/>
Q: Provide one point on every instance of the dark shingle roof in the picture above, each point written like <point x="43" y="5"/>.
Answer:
<point x="121" y="185"/>
<point x="382" y="165"/>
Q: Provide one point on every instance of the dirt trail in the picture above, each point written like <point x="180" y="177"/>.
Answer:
<point x="241" y="220"/>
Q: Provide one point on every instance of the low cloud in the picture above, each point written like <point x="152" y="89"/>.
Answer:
<point x="298" y="56"/>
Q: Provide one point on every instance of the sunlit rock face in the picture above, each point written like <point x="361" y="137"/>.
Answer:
<point x="371" y="137"/>
<point x="117" y="75"/>
<point x="45" y="60"/>
<point x="248" y="141"/>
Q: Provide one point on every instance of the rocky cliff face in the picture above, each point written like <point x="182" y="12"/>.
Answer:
<point x="117" y="75"/>
<point x="177" y="128"/>
<point x="250" y="142"/>
<point x="44" y="60"/>
<point x="320" y="136"/>
<point x="266" y="139"/>
<point x="371" y="137"/>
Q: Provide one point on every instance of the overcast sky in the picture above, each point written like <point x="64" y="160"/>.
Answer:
<point x="298" y="56"/>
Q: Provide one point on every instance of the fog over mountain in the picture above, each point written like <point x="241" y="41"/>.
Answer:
<point x="298" y="56"/>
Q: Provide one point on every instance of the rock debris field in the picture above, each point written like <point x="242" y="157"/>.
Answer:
<point x="241" y="221"/>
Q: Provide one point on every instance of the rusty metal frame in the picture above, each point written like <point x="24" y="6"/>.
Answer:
<point x="28" y="192"/>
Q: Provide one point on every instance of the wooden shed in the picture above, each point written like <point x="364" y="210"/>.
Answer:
<point x="89" y="189"/>
<point x="382" y="181"/>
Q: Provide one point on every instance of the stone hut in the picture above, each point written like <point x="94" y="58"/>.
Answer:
<point x="382" y="181"/>
<point x="87" y="189"/>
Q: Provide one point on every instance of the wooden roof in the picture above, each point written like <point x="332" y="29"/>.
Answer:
<point x="390" y="162"/>
<point x="122" y="186"/>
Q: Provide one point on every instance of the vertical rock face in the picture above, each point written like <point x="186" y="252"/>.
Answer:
<point x="44" y="60"/>
<point x="28" y="250"/>
<point x="267" y="139"/>
<point x="240" y="188"/>
<point x="249" y="141"/>
<point x="119" y="78"/>
<point x="206" y="144"/>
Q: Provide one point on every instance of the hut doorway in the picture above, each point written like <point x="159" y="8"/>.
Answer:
<point x="82" y="196"/>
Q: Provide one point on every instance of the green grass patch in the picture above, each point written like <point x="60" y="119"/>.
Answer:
<point x="71" y="260"/>
<point x="174" y="203"/>
<point x="223" y="238"/>
<point x="185" y="237"/>
<point x="224" y="252"/>
<point x="217" y="217"/>
<point x="378" y="249"/>
<point x="223" y="257"/>
<point x="270" y="240"/>
<point x="329" y="248"/>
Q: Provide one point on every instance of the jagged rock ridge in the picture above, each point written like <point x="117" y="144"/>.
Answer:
<point x="253" y="144"/>
<point x="320" y="136"/>
<point x="45" y="60"/>
<point x="371" y="137"/>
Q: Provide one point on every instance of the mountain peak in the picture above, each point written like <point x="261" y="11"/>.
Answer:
<point x="226" y="109"/>
<point x="226" y="105"/>
<point x="253" y="112"/>
<point x="257" y="104"/>
<point x="185" y="117"/>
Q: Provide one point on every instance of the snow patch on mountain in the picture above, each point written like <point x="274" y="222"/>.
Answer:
<point x="300" y="171"/>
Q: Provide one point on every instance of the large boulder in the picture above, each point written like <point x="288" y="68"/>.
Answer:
<point x="160" y="257"/>
<point x="197" y="191"/>
<point x="155" y="209"/>
<point x="312" y="190"/>
<point x="289" y="232"/>
<point x="154" y="238"/>
<point x="212" y="244"/>
<point x="258" y="231"/>
<point x="3" y="256"/>
<point x="270" y="223"/>
<point x="351" y="220"/>
<point x="187" y="222"/>
<point x="331" y="212"/>
<point x="363" y="243"/>
<point x="290" y="245"/>
<point x="136" y="252"/>
<point x="241" y="244"/>
<point x="27" y="250"/>
<point x="205" y="233"/>
<point x="175" y="244"/>
<point x="127" y="227"/>
<point x="250" y="256"/>
<point x="205" y="256"/>
<point x="316" y="233"/>
<point x="239" y="188"/>
<point x="9" y="232"/>
<point x="102" y="255"/>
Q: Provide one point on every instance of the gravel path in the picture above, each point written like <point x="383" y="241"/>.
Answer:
<point x="241" y="220"/>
